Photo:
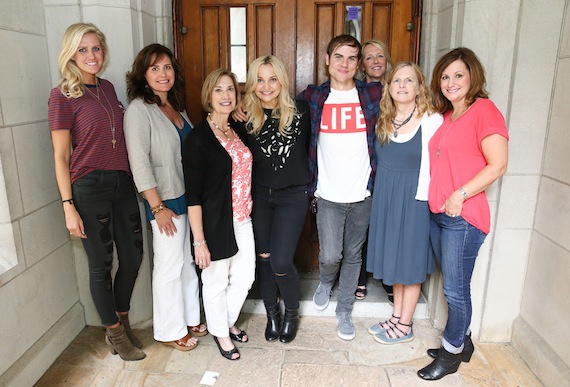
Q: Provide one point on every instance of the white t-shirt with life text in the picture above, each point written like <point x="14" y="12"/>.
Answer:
<point x="342" y="149"/>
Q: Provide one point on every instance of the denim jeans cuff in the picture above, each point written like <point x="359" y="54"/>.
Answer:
<point x="450" y="348"/>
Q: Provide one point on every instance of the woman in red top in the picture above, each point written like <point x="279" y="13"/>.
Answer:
<point x="96" y="187"/>
<point x="467" y="154"/>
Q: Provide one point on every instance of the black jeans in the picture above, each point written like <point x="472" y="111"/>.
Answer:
<point x="107" y="203"/>
<point x="278" y="219"/>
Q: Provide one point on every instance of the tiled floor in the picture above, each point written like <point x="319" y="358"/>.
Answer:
<point x="316" y="358"/>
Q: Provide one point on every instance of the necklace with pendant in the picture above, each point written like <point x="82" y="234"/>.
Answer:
<point x="225" y="132"/>
<point x="451" y="122"/>
<point x="398" y="124"/>
<point x="111" y="116"/>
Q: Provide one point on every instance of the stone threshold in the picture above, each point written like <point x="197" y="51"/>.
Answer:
<point x="374" y="305"/>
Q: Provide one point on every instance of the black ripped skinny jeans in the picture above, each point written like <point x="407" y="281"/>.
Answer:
<point x="278" y="218"/>
<point x="107" y="203"/>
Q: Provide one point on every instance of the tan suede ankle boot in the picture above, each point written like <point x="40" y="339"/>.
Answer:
<point x="118" y="342"/>
<point x="124" y="318"/>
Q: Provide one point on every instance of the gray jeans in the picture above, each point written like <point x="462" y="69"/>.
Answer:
<point x="342" y="229"/>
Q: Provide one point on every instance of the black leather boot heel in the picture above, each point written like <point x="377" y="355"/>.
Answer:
<point x="289" y="328"/>
<point x="444" y="364"/>
<point x="273" y="322"/>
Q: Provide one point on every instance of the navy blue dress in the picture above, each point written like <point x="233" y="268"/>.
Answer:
<point x="399" y="250"/>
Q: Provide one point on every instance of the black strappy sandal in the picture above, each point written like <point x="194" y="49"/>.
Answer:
<point x="227" y="354"/>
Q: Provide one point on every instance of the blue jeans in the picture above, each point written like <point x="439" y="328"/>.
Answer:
<point x="456" y="244"/>
<point x="342" y="229"/>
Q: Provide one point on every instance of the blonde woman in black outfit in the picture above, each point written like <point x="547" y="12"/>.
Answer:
<point x="276" y="131"/>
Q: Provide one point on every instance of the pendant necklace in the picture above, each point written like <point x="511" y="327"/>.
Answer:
<point x="225" y="132"/>
<point x="111" y="116"/>
<point x="398" y="124"/>
<point x="441" y="139"/>
<point x="448" y="129"/>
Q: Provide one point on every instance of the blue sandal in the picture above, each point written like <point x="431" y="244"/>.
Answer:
<point x="398" y="337"/>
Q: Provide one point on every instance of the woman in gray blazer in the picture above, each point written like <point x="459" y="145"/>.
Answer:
<point x="156" y="127"/>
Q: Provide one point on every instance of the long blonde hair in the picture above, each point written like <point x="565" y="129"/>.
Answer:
<point x="284" y="111"/>
<point x="388" y="108"/>
<point x="71" y="83"/>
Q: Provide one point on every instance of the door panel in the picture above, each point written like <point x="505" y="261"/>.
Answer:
<point x="385" y="20"/>
<point x="206" y="45"/>
<point x="297" y="32"/>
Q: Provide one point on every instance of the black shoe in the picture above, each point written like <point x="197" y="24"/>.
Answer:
<point x="468" y="349"/>
<point x="444" y="364"/>
<point x="289" y="328"/>
<point x="227" y="354"/>
<point x="240" y="337"/>
<point x="273" y="322"/>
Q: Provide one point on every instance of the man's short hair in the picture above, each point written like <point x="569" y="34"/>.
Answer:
<point x="344" y="40"/>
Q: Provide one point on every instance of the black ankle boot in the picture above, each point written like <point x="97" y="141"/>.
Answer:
<point x="444" y="364"/>
<point x="468" y="349"/>
<point x="289" y="328"/>
<point x="273" y="322"/>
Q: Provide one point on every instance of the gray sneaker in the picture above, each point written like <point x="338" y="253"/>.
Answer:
<point x="345" y="326"/>
<point x="322" y="296"/>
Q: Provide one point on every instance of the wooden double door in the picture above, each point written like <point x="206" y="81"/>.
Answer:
<point x="297" y="32"/>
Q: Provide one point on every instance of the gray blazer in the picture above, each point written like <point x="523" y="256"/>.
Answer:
<point x="153" y="145"/>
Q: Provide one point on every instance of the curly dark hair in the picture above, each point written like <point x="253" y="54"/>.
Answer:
<point x="137" y="86"/>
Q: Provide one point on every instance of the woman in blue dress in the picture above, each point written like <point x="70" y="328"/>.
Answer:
<point x="399" y="251"/>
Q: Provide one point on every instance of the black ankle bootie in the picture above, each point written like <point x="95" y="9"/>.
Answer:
<point x="289" y="328"/>
<point x="444" y="364"/>
<point x="273" y="322"/>
<point x="468" y="349"/>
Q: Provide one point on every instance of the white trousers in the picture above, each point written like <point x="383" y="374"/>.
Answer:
<point x="226" y="282"/>
<point x="176" y="303"/>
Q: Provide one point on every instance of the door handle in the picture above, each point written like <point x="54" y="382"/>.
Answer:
<point x="183" y="30"/>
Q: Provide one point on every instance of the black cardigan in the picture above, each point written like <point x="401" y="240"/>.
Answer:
<point x="208" y="180"/>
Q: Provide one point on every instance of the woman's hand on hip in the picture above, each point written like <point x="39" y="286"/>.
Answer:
<point x="164" y="222"/>
<point x="202" y="256"/>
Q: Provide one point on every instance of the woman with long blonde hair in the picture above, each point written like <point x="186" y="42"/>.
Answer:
<point x="97" y="190"/>
<point x="376" y="62"/>
<point x="399" y="251"/>
<point x="277" y="132"/>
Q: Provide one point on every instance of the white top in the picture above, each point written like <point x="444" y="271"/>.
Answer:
<point x="342" y="149"/>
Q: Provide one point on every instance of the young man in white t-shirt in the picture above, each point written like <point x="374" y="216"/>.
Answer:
<point x="342" y="163"/>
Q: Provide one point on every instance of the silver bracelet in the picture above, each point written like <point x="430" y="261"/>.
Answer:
<point x="463" y="192"/>
<point x="196" y="244"/>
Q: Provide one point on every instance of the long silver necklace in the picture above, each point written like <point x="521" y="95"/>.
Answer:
<point x="398" y="124"/>
<point x="448" y="129"/>
<point x="442" y="138"/>
<point x="111" y="116"/>
<point x="225" y="132"/>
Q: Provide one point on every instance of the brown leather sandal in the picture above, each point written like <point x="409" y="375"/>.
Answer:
<point x="183" y="344"/>
<point x="198" y="330"/>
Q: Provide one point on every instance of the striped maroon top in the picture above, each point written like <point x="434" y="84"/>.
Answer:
<point x="90" y="126"/>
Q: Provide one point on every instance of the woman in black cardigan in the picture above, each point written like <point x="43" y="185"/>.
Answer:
<point x="217" y="173"/>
